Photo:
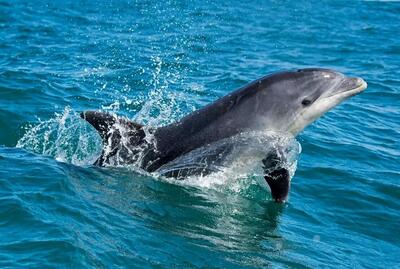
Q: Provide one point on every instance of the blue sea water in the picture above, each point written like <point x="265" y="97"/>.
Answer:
<point x="156" y="61"/>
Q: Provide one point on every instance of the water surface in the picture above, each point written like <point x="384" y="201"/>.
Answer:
<point x="156" y="61"/>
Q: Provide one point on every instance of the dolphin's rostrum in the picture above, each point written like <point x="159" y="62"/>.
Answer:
<point x="284" y="102"/>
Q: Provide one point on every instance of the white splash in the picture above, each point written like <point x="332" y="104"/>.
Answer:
<point x="66" y="137"/>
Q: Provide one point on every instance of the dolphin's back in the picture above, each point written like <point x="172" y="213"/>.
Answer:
<point x="218" y="120"/>
<point x="234" y="113"/>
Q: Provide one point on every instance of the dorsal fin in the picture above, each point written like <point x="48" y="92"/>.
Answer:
<point x="111" y="129"/>
<point x="103" y="122"/>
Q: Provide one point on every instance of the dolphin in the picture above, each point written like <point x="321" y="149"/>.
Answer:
<point x="282" y="102"/>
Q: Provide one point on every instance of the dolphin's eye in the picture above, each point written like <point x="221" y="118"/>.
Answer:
<point x="306" y="102"/>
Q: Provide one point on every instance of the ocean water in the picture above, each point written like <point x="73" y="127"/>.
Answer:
<point x="156" y="61"/>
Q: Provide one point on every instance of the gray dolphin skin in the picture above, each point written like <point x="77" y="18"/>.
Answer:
<point x="284" y="102"/>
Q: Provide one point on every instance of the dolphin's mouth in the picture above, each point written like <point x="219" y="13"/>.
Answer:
<point x="349" y="86"/>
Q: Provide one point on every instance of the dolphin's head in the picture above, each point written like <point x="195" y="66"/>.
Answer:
<point x="295" y="99"/>
<point x="289" y="101"/>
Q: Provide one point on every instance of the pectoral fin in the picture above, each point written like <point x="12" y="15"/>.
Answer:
<point x="277" y="177"/>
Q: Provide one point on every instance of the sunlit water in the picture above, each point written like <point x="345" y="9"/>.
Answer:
<point x="154" y="62"/>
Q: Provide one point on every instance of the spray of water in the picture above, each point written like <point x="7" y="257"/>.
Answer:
<point x="163" y="105"/>
<point x="66" y="138"/>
